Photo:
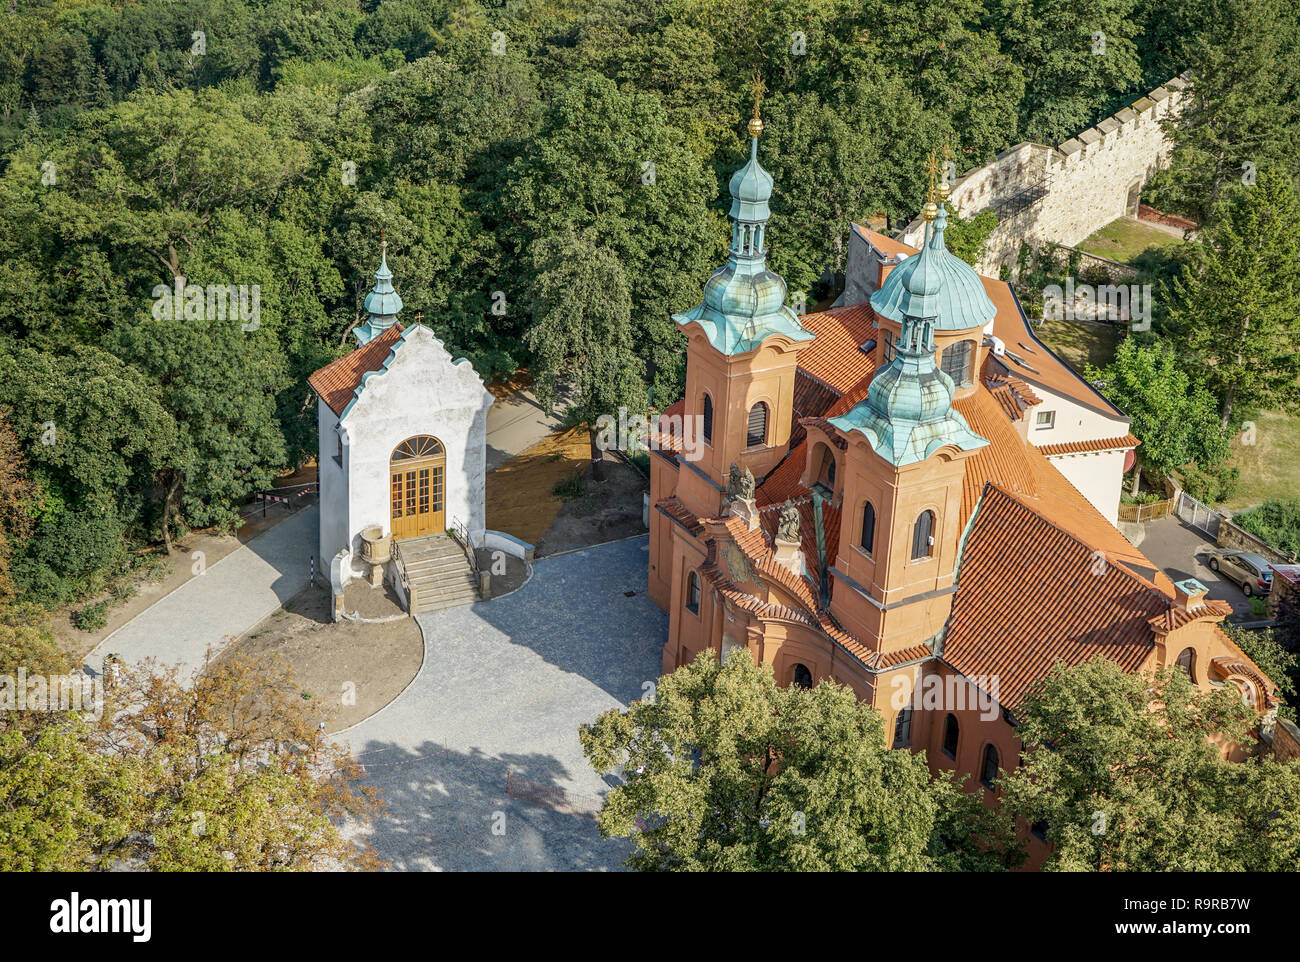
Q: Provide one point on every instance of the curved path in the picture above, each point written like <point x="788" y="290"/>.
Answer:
<point x="219" y="605"/>
<point x="479" y="760"/>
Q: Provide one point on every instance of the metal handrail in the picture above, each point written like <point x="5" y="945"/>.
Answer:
<point x="461" y="533"/>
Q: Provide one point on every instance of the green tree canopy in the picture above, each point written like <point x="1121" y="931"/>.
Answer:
<point x="725" y="771"/>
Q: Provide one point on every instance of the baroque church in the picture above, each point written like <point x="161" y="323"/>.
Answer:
<point x="871" y="505"/>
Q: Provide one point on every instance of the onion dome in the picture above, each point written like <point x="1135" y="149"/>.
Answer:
<point x="935" y="284"/>
<point x="382" y="303"/>
<point x="743" y="301"/>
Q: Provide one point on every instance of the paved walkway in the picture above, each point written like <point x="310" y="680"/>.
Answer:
<point x="504" y="686"/>
<point x="514" y="425"/>
<point x="216" y="607"/>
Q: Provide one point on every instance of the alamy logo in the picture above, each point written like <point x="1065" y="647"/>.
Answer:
<point x="73" y="915"/>
<point x="948" y="693"/>
<point x="1114" y="302"/>
<point x="215" y="302"/>
<point x="635" y="433"/>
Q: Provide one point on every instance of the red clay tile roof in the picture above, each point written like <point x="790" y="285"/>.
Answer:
<point x="674" y="509"/>
<point x="1028" y="597"/>
<point x="1175" y="618"/>
<point x="1003" y="461"/>
<point x="886" y="245"/>
<point x="1100" y="444"/>
<point x="337" y="381"/>
<point x="835" y="357"/>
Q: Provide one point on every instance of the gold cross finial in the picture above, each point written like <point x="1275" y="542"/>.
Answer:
<point x="757" y="88"/>
<point x="931" y="210"/>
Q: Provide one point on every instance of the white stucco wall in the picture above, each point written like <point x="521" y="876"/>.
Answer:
<point x="1099" y="476"/>
<point x="420" y="390"/>
<point x="1073" y="421"/>
<point x="333" y="486"/>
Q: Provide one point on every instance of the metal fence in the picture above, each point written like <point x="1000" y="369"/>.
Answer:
<point x="1200" y="516"/>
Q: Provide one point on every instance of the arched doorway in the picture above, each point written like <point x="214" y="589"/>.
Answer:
<point x="416" y="473"/>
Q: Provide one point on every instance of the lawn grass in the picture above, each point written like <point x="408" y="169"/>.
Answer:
<point x="1079" y="343"/>
<point x="1270" y="468"/>
<point x="1124" y="239"/>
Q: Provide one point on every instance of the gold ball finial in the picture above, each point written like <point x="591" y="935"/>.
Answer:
<point x="756" y="127"/>
<point x="943" y="190"/>
<point x="930" y="211"/>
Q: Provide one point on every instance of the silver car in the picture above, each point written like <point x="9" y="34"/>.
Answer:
<point x="1253" y="572"/>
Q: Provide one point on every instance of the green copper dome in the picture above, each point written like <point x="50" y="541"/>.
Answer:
<point x="935" y="284"/>
<point x="907" y="414"/>
<point x="744" y="302"/>
<point x="751" y="189"/>
<point x="382" y="303"/>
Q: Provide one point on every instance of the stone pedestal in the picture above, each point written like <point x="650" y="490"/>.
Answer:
<point x="788" y="555"/>
<point x="746" y="509"/>
<point x="376" y="576"/>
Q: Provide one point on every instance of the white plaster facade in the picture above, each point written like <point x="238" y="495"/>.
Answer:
<point x="1097" y="474"/>
<point x="418" y="390"/>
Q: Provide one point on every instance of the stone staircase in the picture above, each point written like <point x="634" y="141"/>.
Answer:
<point x="438" y="574"/>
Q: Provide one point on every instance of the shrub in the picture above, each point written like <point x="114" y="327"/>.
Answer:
<point x="91" y="617"/>
<point x="571" y="487"/>
<point x="1277" y="522"/>
<point x="1211" y="485"/>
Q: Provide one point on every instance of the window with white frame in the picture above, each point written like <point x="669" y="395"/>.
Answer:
<point x="1045" y="420"/>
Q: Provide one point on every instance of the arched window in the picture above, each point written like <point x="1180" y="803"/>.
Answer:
<point x="923" y="536"/>
<point x="950" y="735"/>
<point x="824" y="465"/>
<point x="956" y="362"/>
<point x="868" y="527"/>
<point x="1187" y="662"/>
<point x="756" y="430"/>
<point x="989" y="770"/>
<point x="708" y="419"/>
<point x="903" y="729"/>
<point x="693" y="593"/>
<point x="802" y="676"/>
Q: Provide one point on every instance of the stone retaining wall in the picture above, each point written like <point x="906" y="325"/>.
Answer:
<point x="1085" y="183"/>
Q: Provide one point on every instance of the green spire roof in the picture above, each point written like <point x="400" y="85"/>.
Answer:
<point x="935" y="284"/>
<point x="744" y="302"/>
<point x="382" y="303"/>
<point x="907" y="414"/>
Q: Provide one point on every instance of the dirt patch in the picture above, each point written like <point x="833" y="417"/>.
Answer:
<point x="334" y="663"/>
<point x="504" y="387"/>
<point x="520" y="495"/>
<point x="602" y="512"/>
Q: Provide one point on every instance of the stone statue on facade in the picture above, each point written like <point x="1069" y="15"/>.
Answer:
<point x="787" y="527"/>
<point x="740" y="484"/>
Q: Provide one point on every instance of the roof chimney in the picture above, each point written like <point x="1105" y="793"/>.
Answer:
<point x="1189" y="594"/>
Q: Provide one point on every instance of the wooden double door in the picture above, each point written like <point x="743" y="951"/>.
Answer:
<point x="417" y="487"/>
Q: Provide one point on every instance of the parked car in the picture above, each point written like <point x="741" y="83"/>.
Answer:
<point x="1252" y="572"/>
